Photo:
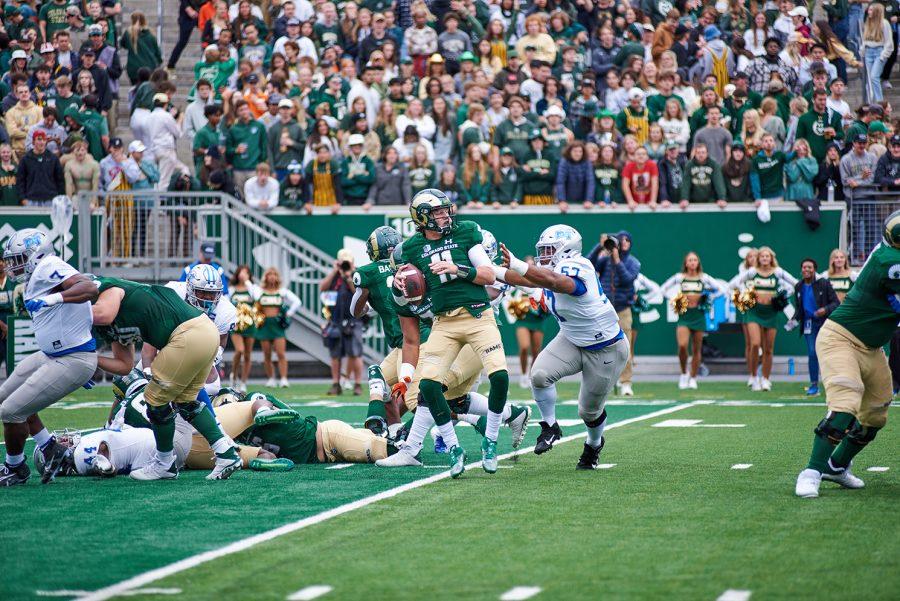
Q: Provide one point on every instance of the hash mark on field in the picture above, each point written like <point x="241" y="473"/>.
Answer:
<point x="877" y="468"/>
<point x="339" y="466"/>
<point x="151" y="591"/>
<point x="692" y="423"/>
<point x="741" y="466"/>
<point x="519" y="593"/>
<point x="311" y="592"/>
<point x="61" y="593"/>
<point x="606" y="466"/>
<point x="734" y="595"/>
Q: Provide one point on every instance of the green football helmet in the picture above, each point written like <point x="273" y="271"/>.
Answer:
<point x="382" y="242"/>
<point x="426" y="204"/>
<point x="125" y="386"/>
<point x="892" y="230"/>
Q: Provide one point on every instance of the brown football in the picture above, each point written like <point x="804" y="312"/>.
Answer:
<point x="415" y="283"/>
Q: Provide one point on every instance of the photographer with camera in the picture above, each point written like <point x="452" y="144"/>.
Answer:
<point x="617" y="270"/>
<point x="342" y="333"/>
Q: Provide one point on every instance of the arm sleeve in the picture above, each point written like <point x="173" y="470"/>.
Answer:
<point x="353" y="302"/>
<point x="293" y="301"/>
<point x="786" y="277"/>
<point x="669" y="288"/>
<point x="713" y="285"/>
<point x="478" y="256"/>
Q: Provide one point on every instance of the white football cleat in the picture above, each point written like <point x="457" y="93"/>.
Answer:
<point x="683" y="381"/>
<point x="270" y="383"/>
<point x="626" y="390"/>
<point x="692" y="383"/>
<point x="524" y="381"/>
<point x="283" y="383"/>
<point x="766" y="384"/>
<point x="224" y="468"/>
<point x="402" y="458"/>
<point x="808" y="484"/>
<point x="755" y="387"/>
<point x="156" y="470"/>
<point x="519" y="425"/>
<point x="845" y="478"/>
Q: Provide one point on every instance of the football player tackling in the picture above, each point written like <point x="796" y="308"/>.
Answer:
<point x="590" y="340"/>
<point x="456" y="268"/>
<point x="854" y="367"/>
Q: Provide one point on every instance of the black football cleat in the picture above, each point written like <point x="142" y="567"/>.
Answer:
<point x="12" y="476"/>
<point x="590" y="457"/>
<point x="55" y="456"/>
<point x="549" y="434"/>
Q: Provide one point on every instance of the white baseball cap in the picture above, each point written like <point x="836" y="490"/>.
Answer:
<point x="285" y="103"/>
<point x="555" y="110"/>
<point x="355" y="139"/>
<point x="136" y="146"/>
<point x="635" y="93"/>
<point x="799" y="11"/>
<point x="19" y="54"/>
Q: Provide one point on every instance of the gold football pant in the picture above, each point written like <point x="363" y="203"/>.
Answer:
<point x="857" y="378"/>
<point x="390" y="370"/>
<point x="459" y="379"/>
<point x="235" y="419"/>
<point x="454" y="330"/>
<point x="338" y="442"/>
<point x="181" y="367"/>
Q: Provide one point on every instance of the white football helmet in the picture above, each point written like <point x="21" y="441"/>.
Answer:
<point x="556" y="243"/>
<point x="204" y="288"/>
<point x="489" y="242"/>
<point x="97" y="464"/>
<point x="23" y="251"/>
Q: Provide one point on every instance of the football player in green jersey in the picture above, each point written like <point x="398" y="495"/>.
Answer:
<point x="855" y="370"/>
<point x="373" y="286"/>
<point x="188" y="341"/>
<point x="456" y="269"/>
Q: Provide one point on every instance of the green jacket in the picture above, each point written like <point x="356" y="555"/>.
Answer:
<point x="702" y="182"/>
<point x="810" y="127"/>
<point x="477" y="190"/>
<point x="281" y="159"/>
<point x="253" y="134"/>
<point x="421" y="178"/>
<point x="609" y="180"/>
<point x="215" y="73"/>
<point x="656" y="104"/>
<point x="509" y="189"/>
<point x="513" y="136"/>
<point x="799" y="174"/>
<point x="145" y="54"/>
<point x="533" y="182"/>
<point x="205" y="138"/>
<point x="357" y="177"/>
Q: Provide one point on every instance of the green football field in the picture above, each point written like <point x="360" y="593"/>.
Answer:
<point x="694" y="501"/>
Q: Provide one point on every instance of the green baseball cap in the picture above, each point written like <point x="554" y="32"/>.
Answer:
<point x="877" y="127"/>
<point x="467" y="56"/>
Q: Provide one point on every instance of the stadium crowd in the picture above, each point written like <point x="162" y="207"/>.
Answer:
<point x="550" y="102"/>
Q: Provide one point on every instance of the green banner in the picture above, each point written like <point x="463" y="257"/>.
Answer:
<point x="17" y="219"/>
<point x="661" y="240"/>
<point x="20" y="341"/>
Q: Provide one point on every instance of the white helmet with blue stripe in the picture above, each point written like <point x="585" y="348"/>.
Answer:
<point x="23" y="251"/>
<point x="489" y="242"/>
<point x="557" y="242"/>
<point x="204" y="288"/>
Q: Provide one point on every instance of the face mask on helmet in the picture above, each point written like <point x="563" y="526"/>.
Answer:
<point x="15" y="266"/>
<point x="442" y="218"/>
<point x="546" y="254"/>
<point x="204" y="288"/>
<point x="205" y="300"/>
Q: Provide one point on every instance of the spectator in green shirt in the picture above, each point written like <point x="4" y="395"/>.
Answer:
<point x="245" y="144"/>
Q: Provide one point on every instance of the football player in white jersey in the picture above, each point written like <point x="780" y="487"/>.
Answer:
<point x="204" y="290"/>
<point x="590" y="340"/>
<point x="58" y="298"/>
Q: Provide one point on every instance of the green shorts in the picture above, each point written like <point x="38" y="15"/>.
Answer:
<point x="693" y="319"/>
<point x="532" y="322"/>
<point x="764" y="315"/>
<point x="270" y="330"/>
<point x="246" y="333"/>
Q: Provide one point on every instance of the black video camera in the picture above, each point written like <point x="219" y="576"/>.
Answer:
<point x="610" y="242"/>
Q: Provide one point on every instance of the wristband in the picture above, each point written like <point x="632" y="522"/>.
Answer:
<point x="500" y="272"/>
<point x="467" y="273"/>
<point x="53" y="299"/>
<point x="406" y="372"/>
<point x="518" y="265"/>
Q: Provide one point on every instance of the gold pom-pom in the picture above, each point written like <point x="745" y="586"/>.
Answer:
<point x="246" y="317"/>
<point x="258" y="315"/>
<point x="520" y="307"/>
<point x="680" y="303"/>
<point x="744" y="299"/>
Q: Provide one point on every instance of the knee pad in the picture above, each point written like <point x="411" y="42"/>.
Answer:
<point x="161" y="415"/>
<point x="540" y="378"/>
<point x="862" y="435"/>
<point x="593" y="423"/>
<point x="188" y="411"/>
<point x="834" y="433"/>
<point x="459" y="405"/>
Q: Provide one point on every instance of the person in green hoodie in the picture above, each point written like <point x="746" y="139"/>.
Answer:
<point x="90" y="124"/>
<point x="767" y="171"/>
<point x="286" y="139"/>
<point x="143" y="51"/>
<point x="608" y="174"/>
<point x="506" y="183"/>
<point x="800" y="173"/>
<point x="820" y="126"/>
<point x="209" y="135"/>
<point x="216" y="68"/>
<point x="473" y="178"/>
<point x="703" y="178"/>
<point x="293" y="188"/>
<point x="245" y="144"/>
<point x="538" y="173"/>
<point x="357" y="172"/>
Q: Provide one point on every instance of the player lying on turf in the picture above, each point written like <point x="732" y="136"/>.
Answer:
<point x="127" y="443"/>
<point x="855" y="370"/>
<point x="589" y="341"/>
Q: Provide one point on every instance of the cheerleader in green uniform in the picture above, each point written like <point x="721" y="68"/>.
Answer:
<point x="646" y="293"/>
<point x="698" y="288"/>
<point x="741" y="317"/>
<point x="772" y="285"/>
<point x="278" y="305"/>
<point x="243" y="291"/>
<point x="839" y="273"/>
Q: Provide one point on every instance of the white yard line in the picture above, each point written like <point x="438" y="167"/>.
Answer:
<point x="246" y="543"/>
<point x="339" y="466"/>
<point x="876" y="468"/>
<point x="741" y="466"/>
<point x="310" y="592"/>
<point x="734" y="595"/>
<point x="520" y="593"/>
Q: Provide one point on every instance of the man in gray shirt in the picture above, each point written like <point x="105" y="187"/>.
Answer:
<point x="717" y="138"/>
<point x="452" y="42"/>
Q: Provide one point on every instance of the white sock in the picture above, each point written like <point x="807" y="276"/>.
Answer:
<point x="595" y="434"/>
<point x="165" y="458"/>
<point x="469" y="418"/>
<point x="42" y="438"/>
<point x="546" y="402"/>
<point x="376" y="389"/>
<point x="421" y="426"/>
<point x="506" y="414"/>
<point x="222" y="446"/>
<point x="448" y="434"/>
<point x="493" y="426"/>
<point x="478" y="403"/>
<point x="14" y="460"/>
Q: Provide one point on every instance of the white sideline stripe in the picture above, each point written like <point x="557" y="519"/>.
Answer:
<point x="741" y="466"/>
<point x="519" y="593"/>
<point x="606" y="466"/>
<point x="693" y="423"/>
<point x="877" y="468"/>
<point x="61" y="593"/>
<point x="734" y="595"/>
<point x="310" y="592"/>
<point x="339" y="466"/>
<point x="131" y="593"/>
<point x="246" y="543"/>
